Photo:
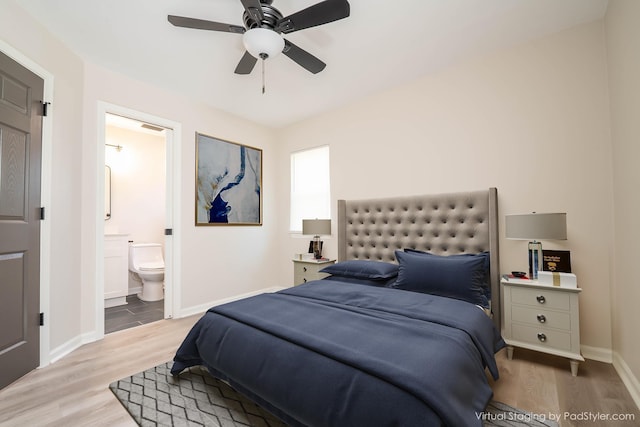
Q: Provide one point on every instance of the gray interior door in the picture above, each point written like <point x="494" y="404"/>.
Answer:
<point x="21" y="93"/>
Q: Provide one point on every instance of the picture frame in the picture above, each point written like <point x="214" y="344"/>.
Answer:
<point x="556" y="261"/>
<point x="228" y="183"/>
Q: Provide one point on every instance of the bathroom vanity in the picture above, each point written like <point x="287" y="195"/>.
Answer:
<point x="116" y="269"/>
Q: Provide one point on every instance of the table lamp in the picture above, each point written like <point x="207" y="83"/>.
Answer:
<point x="316" y="227"/>
<point x="534" y="227"/>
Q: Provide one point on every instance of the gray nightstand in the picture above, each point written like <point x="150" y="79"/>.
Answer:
<point x="306" y="270"/>
<point x="543" y="318"/>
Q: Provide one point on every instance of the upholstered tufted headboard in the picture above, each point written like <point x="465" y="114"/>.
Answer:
<point x="443" y="224"/>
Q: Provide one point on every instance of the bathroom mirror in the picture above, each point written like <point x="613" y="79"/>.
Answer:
<point x="107" y="192"/>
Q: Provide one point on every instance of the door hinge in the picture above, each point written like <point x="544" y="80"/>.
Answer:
<point x="42" y="213"/>
<point x="41" y="319"/>
<point x="45" y="108"/>
<point x="168" y="231"/>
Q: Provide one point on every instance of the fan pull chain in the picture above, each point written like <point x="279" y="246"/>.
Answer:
<point x="263" y="76"/>
<point x="263" y="56"/>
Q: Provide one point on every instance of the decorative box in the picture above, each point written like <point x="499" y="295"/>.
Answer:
<point x="564" y="280"/>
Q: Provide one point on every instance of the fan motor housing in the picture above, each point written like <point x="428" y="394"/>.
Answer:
<point x="271" y="17"/>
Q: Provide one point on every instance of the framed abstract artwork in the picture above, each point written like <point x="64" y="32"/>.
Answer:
<point x="228" y="182"/>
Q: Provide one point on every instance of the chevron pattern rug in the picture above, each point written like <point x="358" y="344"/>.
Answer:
<point x="155" y="398"/>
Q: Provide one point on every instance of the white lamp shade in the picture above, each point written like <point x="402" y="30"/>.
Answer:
<point x="536" y="226"/>
<point x="263" y="41"/>
<point x="316" y="227"/>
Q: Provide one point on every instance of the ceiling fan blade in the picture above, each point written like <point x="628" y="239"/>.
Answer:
<point x="254" y="9"/>
<point x="318" y="14"/>
<point x="201" y="24"/>
<point x="246" y="64"/>
<point x="303" y="58"/>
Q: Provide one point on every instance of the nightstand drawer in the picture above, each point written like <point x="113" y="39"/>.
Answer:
<point x="541" y="318"/>
<point x="306" y="271"/>
<point x="541" y="298"/>
<point x="542" y="337"/>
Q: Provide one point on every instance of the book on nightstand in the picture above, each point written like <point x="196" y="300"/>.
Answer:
<point x="556" y="261"/>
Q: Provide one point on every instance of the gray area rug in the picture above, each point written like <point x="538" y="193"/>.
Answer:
<point x="155" y="398"/>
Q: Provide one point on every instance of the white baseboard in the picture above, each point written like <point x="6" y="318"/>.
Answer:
<point x="628" y="378"/>
<point x="198" y="309"/>
<point x="135" y="290"/>
<point x="78" y="341"/>
<point x="597" y="353"/>
<point x="114" y="302"/>
<point x="71" y="345"/>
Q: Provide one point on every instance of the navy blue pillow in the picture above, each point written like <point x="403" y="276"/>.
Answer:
<point x="453" y="276"/>
<point x="484" y="255"/>
<point x="363" y="269"/>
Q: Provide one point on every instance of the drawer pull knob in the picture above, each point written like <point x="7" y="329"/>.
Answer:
<point x="541" y="299"/>
<point x="542" y="337"/>
<point x="541" y="318"/>
<point x="304" y="269"/>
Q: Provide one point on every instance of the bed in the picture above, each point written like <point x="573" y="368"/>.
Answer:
<point x="402" y="332"/>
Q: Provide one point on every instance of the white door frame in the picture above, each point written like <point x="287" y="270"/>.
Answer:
<point x="172" y="210"/>
<point x="45" y="193"/>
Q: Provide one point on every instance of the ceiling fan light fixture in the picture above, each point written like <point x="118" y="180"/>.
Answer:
<point x="263" y="41"/>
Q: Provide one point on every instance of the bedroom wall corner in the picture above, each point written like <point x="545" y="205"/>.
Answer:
<point x="623" y="60"/>
<point x="291" y="139"/>
<point x="531" y="120"/>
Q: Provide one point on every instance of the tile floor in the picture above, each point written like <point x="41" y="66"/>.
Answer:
<point x="135" y="313"/>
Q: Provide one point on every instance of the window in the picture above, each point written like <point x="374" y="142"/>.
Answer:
<point x="310" y="196"/>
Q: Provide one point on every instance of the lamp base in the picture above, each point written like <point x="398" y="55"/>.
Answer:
<point x="535" y="257"/>
<point x="317" y="248"/>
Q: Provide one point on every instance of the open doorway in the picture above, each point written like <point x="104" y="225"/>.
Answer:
<point x="137" y="167"/>
<point x="135" y="200"/>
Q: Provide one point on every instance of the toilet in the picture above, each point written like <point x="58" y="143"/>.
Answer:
<point x="146" y="262"/>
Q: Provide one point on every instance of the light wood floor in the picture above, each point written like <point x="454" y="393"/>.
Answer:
<point x="74" y="391"/>
<point x="543" y="385"/>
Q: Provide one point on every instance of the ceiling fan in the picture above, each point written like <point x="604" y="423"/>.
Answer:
<point x="263" y="26"/>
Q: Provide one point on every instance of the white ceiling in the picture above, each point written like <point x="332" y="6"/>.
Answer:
<point x="382" y="44"/>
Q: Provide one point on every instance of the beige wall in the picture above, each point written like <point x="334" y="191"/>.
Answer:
<point x="138" y="187"/>
<point x="20" y="32"/>
<point x="217" y="262"/>
<point x="623" y="34"/>
<point x="532" y="121"/>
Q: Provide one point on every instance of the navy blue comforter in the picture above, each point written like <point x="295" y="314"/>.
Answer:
<point x="330" y="353"/>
